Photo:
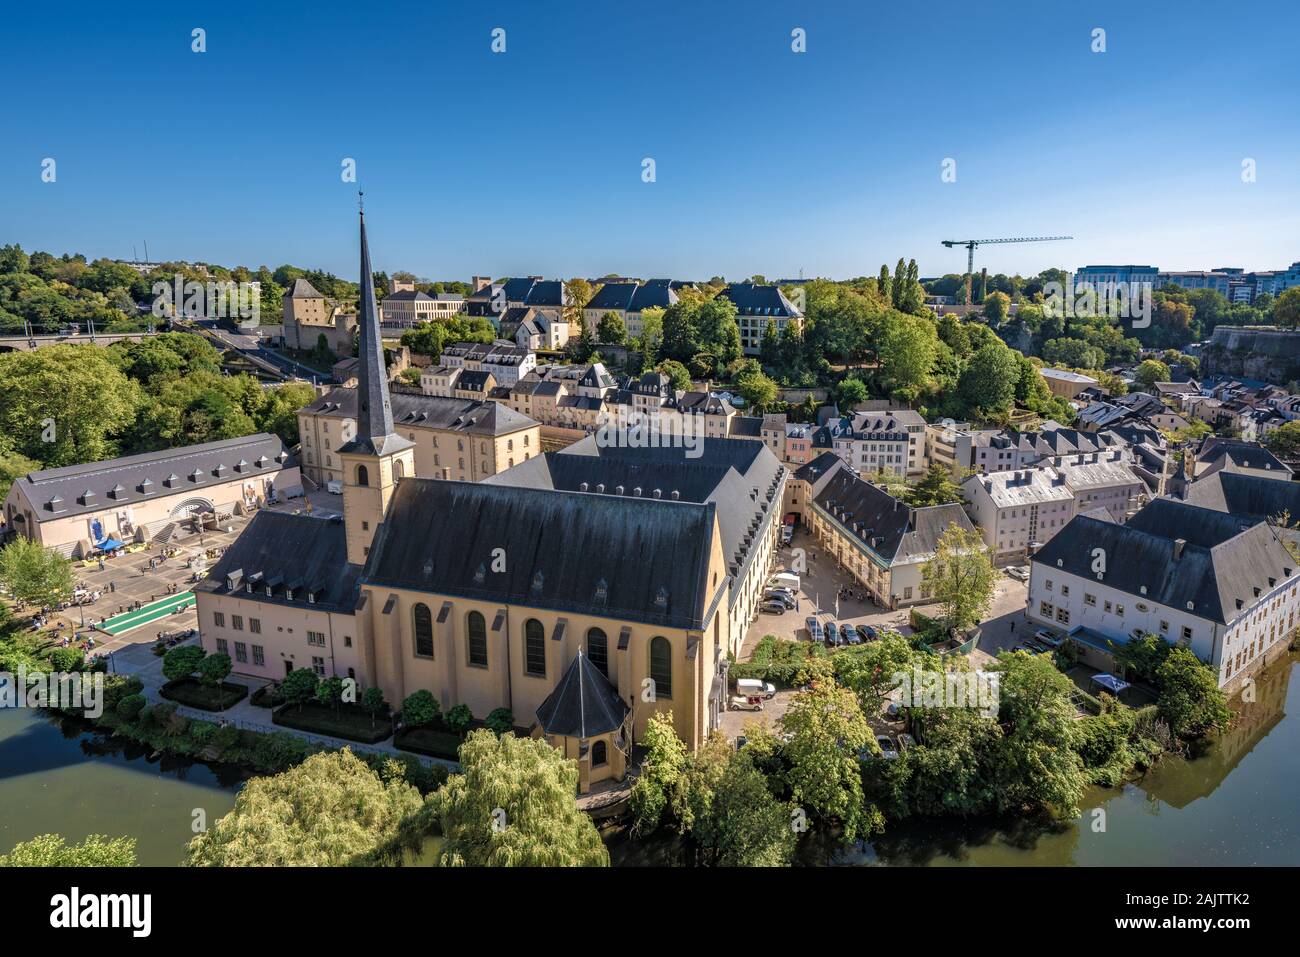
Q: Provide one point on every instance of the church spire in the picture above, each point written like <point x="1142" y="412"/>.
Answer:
<point x="374" y="407"/>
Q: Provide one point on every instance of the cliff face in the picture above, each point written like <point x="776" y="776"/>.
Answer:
<point x="1253" y="352"/>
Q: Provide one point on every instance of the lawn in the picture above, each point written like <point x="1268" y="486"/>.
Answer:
<point x="348" y="722"/>
<point x="194" y="694"/>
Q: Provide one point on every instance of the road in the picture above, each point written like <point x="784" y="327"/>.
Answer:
<point x="250" y="346"/>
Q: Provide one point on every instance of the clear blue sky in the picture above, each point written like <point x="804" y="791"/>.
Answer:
<point x="767" y="161"/>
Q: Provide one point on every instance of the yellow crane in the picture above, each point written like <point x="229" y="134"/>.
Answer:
<point x="970" y="245"/>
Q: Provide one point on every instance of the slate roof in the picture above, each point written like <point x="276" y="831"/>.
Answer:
<point x="1222" y="564"/>
<point x="302" y="289"/>
<point x="1232" y="454"/>
<point x="752" y="300"/>
<point x="613" y="296"/>
<point x="1253" y="497"/>
<point x="583" y="703"/>
<point x="408" y="295"/>
<point x="632" y="297"/>
<point x="430" y="411"/>
<point x="633" y="559"/>
<point x="294" y="554"/>
<point x="96" y="486"/>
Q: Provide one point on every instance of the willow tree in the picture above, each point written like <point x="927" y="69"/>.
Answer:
<point x="514" y="806"/>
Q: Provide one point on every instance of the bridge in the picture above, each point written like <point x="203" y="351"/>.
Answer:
<point x="20" y="343"/>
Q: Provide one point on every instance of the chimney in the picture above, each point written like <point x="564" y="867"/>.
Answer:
<point x="1179" y="544"/>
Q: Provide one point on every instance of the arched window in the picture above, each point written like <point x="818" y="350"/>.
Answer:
<point x="476" y="635"/>
<point x="598" y="650"/>
<point x="661" y="666"/>
<point x="599" y="754"/>
<point x="423" y="630"/>
<point x="363" y="477"/>
<point x="534" y="648"/>
<point x="399" y="470"/>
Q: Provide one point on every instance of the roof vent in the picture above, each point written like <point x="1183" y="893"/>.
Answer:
<point x="1179" y="545"/>
<point x="618" y="490"/>
<point x="657" y="493"/>
<point x="600" y="488"/>
<point x="87" y="497"/>
<point x="676" y="495"/>
<point x="636" y="492"/>
<point x="145" y="487"/>
<point x="582" y="487"/>
<point x="196" y="475"/>
<point x="117" y="491"/>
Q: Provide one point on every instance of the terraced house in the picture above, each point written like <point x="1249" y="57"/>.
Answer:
<point x="878" y="539"/>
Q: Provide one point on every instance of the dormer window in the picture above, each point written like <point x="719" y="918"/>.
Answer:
<point x="171" y="480"/>
<point x="196" y="475"/>
<point x="661" y="599"/>
<point x="145" y="487"/>
<point x="87" y="497"/>
<point x="480" y="574"/>
<point x="538" y="580"/>
<point x="602" y="591"/>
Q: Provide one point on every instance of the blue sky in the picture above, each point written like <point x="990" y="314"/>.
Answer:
<point x="767" y="161"/>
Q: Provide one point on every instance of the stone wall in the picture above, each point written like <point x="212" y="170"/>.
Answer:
<point x="1253" y="352"/>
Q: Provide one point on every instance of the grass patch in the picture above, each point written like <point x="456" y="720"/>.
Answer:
<point x="431" y="741"/>
<point x="348" y="722"/>
<point x="194" y="694"/>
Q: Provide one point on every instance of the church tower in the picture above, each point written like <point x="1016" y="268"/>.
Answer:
<point x="376" y="457"/>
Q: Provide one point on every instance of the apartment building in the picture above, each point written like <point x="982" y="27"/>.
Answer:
<point x="628" y="300"/>
<point x="507" y="362"/>
<point x="756" y="306"/>
<point x="892" y="442"/>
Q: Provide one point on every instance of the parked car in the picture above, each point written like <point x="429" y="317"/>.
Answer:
<point x="1048" y="638"/>
<point x="753" y="686"/>
<point x="774" y="607"/>
<point x="784" y="580"/>
<point x="780" y="590"/>
<point x="887" y="748"/>
<point x="850" y="635"/>
<point x="831" y="632"/>
<point x="783" y="598"/>
<point x="1019" y="572"/>
<point x="905" y="741"/>
<point x="814" y="629"/>
<point x="740" y="702"/>
<point x="867" y="632"/>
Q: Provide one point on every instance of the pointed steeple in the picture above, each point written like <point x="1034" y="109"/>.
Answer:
<point x="374" y="407"/>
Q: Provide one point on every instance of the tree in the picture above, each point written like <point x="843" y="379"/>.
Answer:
<point x="663" y="765"/>
<point x="851" y="393"/>
<point x="1284" y="442"/>
<point x="329" y="692"/>
<point x="871" y="669"/>
<point x="513" y="806"/>
<point x="935" y="488"/>
<point x="652" y="335"/>
<point x="34" y="574"/>
<point x="1149" y="373"/>
<point x="500" y="720"/>
<point x="458" y="718"/>
<point x="419" y="709"/>
<point x="611" y="329"/>
<point x="213" y="669"/>
<point x="997" y="307"/>
<point x="182" y="661"/>
<point x="51" y="850"/>
<point x="1286" y="308"/>
<point x="677" y="373"/>
<point x="758" y="391"/>
<point x="299" y="686"/>
<point x="373" y="703"/>
<point x="960" y="576"/>
<point x="13" y="466"/>
<point x="826" y="733"/>
<point x="989" y="381"/>
<point x="750" y="827"/>
<point x="329" y="811"/>
<point x="1190" y="699"/>
<point x="907" y="349"/>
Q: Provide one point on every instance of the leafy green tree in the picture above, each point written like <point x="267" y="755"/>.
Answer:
<point x="458" y="718"/>
<point x="419" y="709"/>
<point x="758" y="391"/>
<point x="330" y="811"/>
<point x="826" y="732"/>
<point x="997" y="307"/>
<point x="373" y="703"/>
<point x="936" y="487"/>
<point x="1286" y="308"/>
<point x="611" y="329"/>
<point x="213" y="669"/>
<point x="299" y="686"/>
<point x="129" y="708"/>
<point x="870" y="669"/>
<point x="1284" y="442"/>
<point x="329" y="692"/>
<point x="850" y="393"/>
<point x="182" y="661"/>
<point x="960" y="577"/>
<point x="989" y="382"/>
<point x="513" y="806"/>
<point x="35" y="575"/>
<point x="750" y="827"/>
<point x="908" y="346"/>
<point x="500" y="720"/>
<point x="52" y="850"/>
<point x="664" y="763"/>
<point x="1190" y="699"/>
<point x="677" y="373"/>
<point x="1149" y="373"/>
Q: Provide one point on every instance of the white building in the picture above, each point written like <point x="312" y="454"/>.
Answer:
<point x="507" y="362"/>
<point x="1193" y="576"/>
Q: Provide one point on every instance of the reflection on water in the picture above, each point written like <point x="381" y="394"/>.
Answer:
<point x="57" y="777"/>
<point x="1233" y="804"/>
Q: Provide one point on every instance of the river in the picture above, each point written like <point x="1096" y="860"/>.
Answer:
<point x="1232" y="805"/>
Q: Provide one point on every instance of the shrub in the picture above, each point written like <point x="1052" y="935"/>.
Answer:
<point x="129" y="708"/>
<point x="202" y="733"/>
<point x="420" y="709"/>
<point x="214" y="669"/>
<point x="225" y="737"/>
<point x="182" y="661"/>
<point x="458" y="719"/>
<point x="501" y="720"/>
<point x="67" y="659"/>
<point x="299" y="686"/>
<point x="117" y="687"/>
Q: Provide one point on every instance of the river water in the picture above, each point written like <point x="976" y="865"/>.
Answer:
<point x="1233" y="805"/>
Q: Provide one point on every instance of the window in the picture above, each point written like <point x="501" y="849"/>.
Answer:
<point x="255" y="625"/>
<point x="223" y="647"/>
<point x="347" y="641"/>
<point x="1045" y="609"/>
<point x="1119" y="610"/>
<point x="598" y="650"/>
<point x="599" y="754"/>
<point x="661" y="666"/>
<point x="476" y="635"/>
<point x="237" y="622"/>
<point x="1089" y="599"/>
<point x="1063" y="615"/>
<point x="1065" y="590"/>
<point x="316" y="638"/>
<point x="423" y="630"/>
<point x="534" y="648"/>
<point x="318" y="665"/>
<point x="219" y="619"/>
<point x="241" y="651"/>
<point x="363" y="477"/>
<point x="259" y="655"/>
<point x="1187" y="633"/>
<point x="1164" y="627"/>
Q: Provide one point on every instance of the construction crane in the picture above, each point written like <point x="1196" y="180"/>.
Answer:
<point x="970" y="245"/>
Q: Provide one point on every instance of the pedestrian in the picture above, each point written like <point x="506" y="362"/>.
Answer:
<point x="101" y="564"/>
<point x="112" y="586"/>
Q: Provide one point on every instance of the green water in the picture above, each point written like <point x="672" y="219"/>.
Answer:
<point x="58" y="778"/>
<point x="1233" y="805"/>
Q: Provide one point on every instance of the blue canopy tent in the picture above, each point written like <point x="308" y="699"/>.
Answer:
<point x="110" y="545"/>
<point x="1110" y="683"/>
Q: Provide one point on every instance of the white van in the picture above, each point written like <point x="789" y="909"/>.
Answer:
<point x="784" y="580"/>
<point x="752" y="687"/>
<point x="334" y="486"/>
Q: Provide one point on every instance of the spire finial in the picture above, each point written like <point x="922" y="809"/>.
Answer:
<point x="361" y="202"/>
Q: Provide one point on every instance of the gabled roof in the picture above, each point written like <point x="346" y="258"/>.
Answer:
<point x="430" y="411"/>
<point x="752" y="300"/>
<point x="633" y="559"/>
<point x="1252" y="497"/>
<point x="302" y="289"/>
<point x="583" y="703"/>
